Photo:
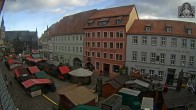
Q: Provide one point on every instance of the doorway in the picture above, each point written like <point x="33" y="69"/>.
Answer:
<point x="106" y="69"/>
<point x="170" y="76"/>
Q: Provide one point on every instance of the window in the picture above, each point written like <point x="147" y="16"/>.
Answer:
<point x="118" y="57"/>
<point x="153" y="57"/>
<point x="98" y="54"/>
<point x="73" y="38"/>
<point x="173" y="42"/>
<point x="68" y="48"/>
<point x="160" y="75"/>
<point x="152" y="73"/>
<point x="135" y="39"/>
<point x="111" y="56"/>
<point x="97" y="65"/>
<point x="62" y="48"/>
<point x="93" y="44"/>
<point x="148" y="28"/>
<point x="189" y="31"/>
<point x="173" y="59"/>
<point x="80" y="49"/>
<point x="119" y="45"/>
<point x="86" y="53"/>
<point x="111" y="34"/>
<point x="105" y="34"/>
<point x="65" y="48"/>
<point x="111" y="45"/>
<point x="98" y="44"/>
<point x="118" y="21"/>
<point x="183" y="60"/>
<point x="77" y="38"/>
<point x="89" y="44"/>
<point x="73" y="49"/>
<point x="143" y="71"/>
<point x="76" y="49"/>
<point x="191" y="61"/>
<point x="168" y="29"/>
<point x="102" y="23"/>
<point x="153" y="41"/>
<point x="184" y="43"/>
<point x="116" y="68"/>
<point x="163" y="41"/>
<point x="86" y="44"/>
<point x="119" y="34"/>
<point x="144" y="40"/>
<point x="162" y="58"/>
<point x="105" y="44"/>
<point x="89" y="34"/>
<point x="93" y="54"/>
<point x="134" y="57"/>
<point x="192" y="44"/>
<point x="80" y="37"/>
<point x="144" y="56"/>
<point x="89" y="54"/>
<point x="98" y="34"/>
<point x="68" y="38"/>
<point x="93" y="34"/>
<point x="105" y="55"/>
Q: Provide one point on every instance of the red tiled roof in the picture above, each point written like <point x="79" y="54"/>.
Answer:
<point x="159" y="28"/>
<point x="72" y="24"/>
<point x="31" y="82"/>
<point x="17" y="74"/>
<point x="64" y="69"/>
<point x="115" y="11"/>
<point x="33" y="69"/>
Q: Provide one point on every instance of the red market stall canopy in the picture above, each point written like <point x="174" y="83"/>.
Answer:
<point x="64" y="69"/>
<point x="33" y="69"/>
<point x="31" y="82"/>
<point x="35" y="60"/>
<point x="12" y="61"/>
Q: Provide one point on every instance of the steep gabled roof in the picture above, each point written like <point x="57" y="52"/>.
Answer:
<point x="159" y="28"/>
<point x="111" y="12"/>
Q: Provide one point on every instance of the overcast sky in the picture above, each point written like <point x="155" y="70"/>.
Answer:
<point x="32" y="14"/>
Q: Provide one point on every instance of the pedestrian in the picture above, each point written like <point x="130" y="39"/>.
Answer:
<point x="7" y="83"/>
<point x="10" y="82"/>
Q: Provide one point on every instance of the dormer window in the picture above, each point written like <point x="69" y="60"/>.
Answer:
<point x="103" y="21"/>
<point x="147" y="28"/>
<point x="189" y="31"/>
<point x="119" y="19"/>
<point x="168" y="29"/>
<point x="90" y="22"/>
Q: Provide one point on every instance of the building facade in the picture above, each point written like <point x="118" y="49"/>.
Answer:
<point x="105" y="39"/>
<point x="162" y="49"/>
<point x="67" y="40"/>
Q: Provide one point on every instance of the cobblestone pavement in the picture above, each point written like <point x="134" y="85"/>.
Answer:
<point x="24" y="102"/>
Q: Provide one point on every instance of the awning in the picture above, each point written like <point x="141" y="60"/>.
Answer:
<point x="80" y="72"/>
<point x="36" y="56"/>
<point x="33" y="69"/>
<point x="17" y="74"/>
<point x="31" y="82"/>
<point x="41" y="74"/>
<point x="64" y="69"/>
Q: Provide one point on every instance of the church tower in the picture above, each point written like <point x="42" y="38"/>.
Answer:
<point x="2" y="29"/>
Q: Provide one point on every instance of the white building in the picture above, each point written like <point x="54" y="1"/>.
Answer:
<point x="162" y="49"/>
<point x="67" y="40"/>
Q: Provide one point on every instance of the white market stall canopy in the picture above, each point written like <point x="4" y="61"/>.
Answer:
<point x="80" y="72"/>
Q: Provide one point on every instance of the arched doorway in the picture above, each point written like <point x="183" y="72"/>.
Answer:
<point x="89" y="66"/>
<point x="77" y="62"/>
